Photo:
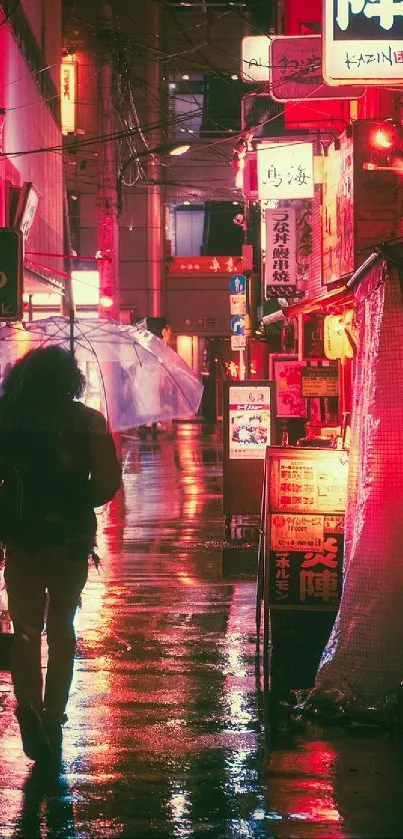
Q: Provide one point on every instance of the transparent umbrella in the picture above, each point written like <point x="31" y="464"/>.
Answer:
<point x="132" y="375"/>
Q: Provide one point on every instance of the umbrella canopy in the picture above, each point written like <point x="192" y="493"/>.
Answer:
<point x="131" y="374"/>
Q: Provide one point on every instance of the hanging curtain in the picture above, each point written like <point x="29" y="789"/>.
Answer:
<point x="363" y="661"/>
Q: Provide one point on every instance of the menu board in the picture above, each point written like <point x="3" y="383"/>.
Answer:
<point x="249" y="408"/>
<point x="306" y="491"/>
<point x="249" y="417"/>
<point x="307" y="571"/>
<point x="306" y="484"/>
<point x="319" y="381"/>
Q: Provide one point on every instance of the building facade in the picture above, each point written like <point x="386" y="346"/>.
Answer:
<point x="31" y="167"/>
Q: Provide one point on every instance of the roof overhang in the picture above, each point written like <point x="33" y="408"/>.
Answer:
<point x="333" y="299"/>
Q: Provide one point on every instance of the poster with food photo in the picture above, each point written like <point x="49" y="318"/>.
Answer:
<point x="286" y="372"/>
<point x="249" y="422"/>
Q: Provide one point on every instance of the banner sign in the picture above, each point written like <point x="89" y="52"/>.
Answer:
<point x="296" y="71"/>
<point x="68" y="95"/>
<point x="200" y="265"/>
<point x="281" y="263"/>
<point x="363" y="42"/>
<point x="285" y="170"/>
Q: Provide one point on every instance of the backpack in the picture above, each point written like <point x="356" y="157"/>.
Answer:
<point x="44" y="496"/>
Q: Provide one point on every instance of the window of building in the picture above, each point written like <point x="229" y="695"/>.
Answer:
<point x="204" y="106"/>
<point x="205" y="230"/>
<point x="185" y="98"/>
<point x="186" y="230"/>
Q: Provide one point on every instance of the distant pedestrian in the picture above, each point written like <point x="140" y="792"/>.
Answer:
<point x="57" y="462"/>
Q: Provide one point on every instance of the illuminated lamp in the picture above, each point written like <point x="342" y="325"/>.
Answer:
<point x="387" y="136"/>
<point x="106" y="301"/>
<point x="335" y="339"/>
<point x="180" y="148"/>
<point x="385" y="143"/>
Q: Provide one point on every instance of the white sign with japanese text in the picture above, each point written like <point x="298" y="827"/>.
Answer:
<point x="285" y="170"/>
<point x="238" y="342"/>
<point x="363" y="42"/>
<point x="68" y="95"/>
<point x="281" y="258"/>
<point x="255" y="59"/>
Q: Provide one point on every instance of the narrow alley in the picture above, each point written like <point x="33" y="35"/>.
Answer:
<point x="168" y="734"/>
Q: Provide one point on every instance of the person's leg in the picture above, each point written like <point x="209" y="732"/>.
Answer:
<point x="24" y="576"/>
<point x="66" y="577"/>
<point x="26" y="593"/>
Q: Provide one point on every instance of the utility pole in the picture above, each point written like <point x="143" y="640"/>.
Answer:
<point x="155" y="194"/>
<point x="108" y="228"/>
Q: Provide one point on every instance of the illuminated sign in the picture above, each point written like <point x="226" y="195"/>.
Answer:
<point x="255" y="58"/>
<point x="338" y="227"/>
<point x="307" y="571"/>
<point x="68" y="95"/>
<point x="363" y="42"/>
<point x="85" y="287"/>
<point x="285" y="170"/>
<point x="280" y="262"/>
<point x="204" y="265"/>
<point x="296" y="71"/>
<point x="26" y="209"/>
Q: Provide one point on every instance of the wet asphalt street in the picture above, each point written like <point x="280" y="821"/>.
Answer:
<point x="168" y="732"/>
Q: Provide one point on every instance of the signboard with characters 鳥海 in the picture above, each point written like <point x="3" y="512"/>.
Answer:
<point x="285" y="170"/>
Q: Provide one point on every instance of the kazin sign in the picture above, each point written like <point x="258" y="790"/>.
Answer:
<point x="363" y="42"/>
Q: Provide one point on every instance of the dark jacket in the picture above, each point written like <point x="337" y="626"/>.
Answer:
<point x="56" y="468"/>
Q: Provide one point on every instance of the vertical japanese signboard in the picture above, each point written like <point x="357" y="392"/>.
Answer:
<point x="338" y="211"/>
<point x="281" y="260"/>
<point x="363" y="42"/>
<point x="248" y="427"/>
<point x="306" y="496"/>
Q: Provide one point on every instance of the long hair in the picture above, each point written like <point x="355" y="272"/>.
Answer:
<point x="44" y="379"/>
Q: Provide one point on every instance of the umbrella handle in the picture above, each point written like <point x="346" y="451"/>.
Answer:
<point x="72" y="331"/>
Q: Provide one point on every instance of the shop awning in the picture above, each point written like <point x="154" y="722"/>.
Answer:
<point x="333" y="298"/>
